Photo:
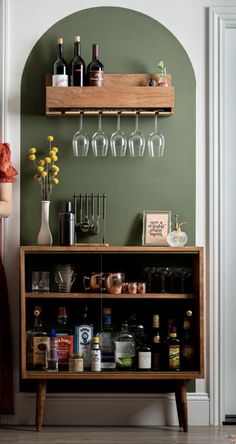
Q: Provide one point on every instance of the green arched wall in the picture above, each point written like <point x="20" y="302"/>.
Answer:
<point x="130" y="42"/>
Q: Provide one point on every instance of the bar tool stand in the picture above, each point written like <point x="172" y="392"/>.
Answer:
<point x="90" y="217"/>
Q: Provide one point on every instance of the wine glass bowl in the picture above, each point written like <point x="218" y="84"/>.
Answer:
<point x="136" y="141"/>
<point x="163" y="272"/>
<point x="118" y="141"/>
<point x="99" y="140"/>
<point x="80" y="141"/>
<point x="156" y="142"/>
<point x="183" y="273"/>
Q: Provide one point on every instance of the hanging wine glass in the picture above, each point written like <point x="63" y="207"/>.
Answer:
<point x="156" y="141"/>
<point x="99" y="140"/>
<point x="118" y="141"/>
<point x="136" y="141"/>
<point x="80" y="141"/>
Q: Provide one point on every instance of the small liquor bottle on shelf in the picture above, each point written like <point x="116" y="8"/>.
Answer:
<point x="37" y="343"/>
<point x="187" y="349"/>
<point x="52" y="352"/>
<point x="95" y="69"/>
<point x="60" y="68"/>
<point x="124" y="348"/>
<point x="77" y="66"/>
<point x="95" y="355"/>
<point x="156" y="343"/>
<point x="83" y="338"/>
<point x="65" y="339"/>
<point x="106" y="341"/>
<point x="144" y="355"/>
<point x="173" y="350"/>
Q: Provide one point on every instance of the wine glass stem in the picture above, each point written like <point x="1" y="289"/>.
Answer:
<point x="156" y="123"/>
<point x="182" y="284"/>
<point x="163" y="284"/>
<point x="118" y="122"/>
<point x="100" y="122"/>
<point x="81" y="122"/>
<point x="136" y="123"/>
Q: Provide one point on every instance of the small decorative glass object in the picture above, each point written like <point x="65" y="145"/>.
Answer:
<point x="177" y="237"/>
<point x="156" y="141"/>
<point x="163" y="79"/>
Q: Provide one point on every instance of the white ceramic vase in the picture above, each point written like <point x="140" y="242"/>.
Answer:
<point x="45" y="235"/>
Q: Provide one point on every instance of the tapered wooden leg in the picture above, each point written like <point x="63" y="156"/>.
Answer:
<point x="178" y="403"/>
<point x="183" y="404"/>
<point x="40" y="403"/>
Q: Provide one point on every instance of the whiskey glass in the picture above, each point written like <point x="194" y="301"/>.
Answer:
<point x="80" y="141"/>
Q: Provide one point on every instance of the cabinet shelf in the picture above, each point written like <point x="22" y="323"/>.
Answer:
<point x="115" y="375"/>
<point x="124" y="92"/>
<point x="109" y="296"/>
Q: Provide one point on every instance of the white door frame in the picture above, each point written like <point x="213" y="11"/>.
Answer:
<point x="220" y="19"/>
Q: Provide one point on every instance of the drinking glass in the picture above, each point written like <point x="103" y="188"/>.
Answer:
<point x="99" y="140"/>
<point x="183" y="273"/>
<point x="80" y="141"/>
<point x="136" y="141"/>
<point x="118" y="141"/>
<point x="156" y="141"/>
<point x="163" y="272"/>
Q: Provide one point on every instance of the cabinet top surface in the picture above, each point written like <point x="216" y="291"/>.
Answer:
<point x="107" y="249"/>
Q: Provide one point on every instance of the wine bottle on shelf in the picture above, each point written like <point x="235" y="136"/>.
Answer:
<point x="60" y="68"/>
<point x="77" y="68"/>
<point x="187" y="349"/>
<point x="95" y="69"/>
<point x="156" y="343"/>
<point x="173" y="350"/>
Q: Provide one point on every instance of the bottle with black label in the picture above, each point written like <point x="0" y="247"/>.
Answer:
<point x="65" y="338"/>
<point x="77" y="66"/>
<point x="37" y="342"/>
<point x="95" y="69"/>
<point x="60" y="68"/>
<point x="173" y="350"/>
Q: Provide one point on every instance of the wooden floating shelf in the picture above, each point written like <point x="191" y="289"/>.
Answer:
<point x="127" y="93"/>
<point x="110" y="296"/>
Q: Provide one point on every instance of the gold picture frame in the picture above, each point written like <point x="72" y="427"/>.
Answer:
<point x="156" y="226"/>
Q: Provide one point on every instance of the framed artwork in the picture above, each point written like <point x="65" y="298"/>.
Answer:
<point x="156" y="226"/>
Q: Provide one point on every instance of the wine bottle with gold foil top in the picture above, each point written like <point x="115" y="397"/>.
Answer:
<point x="60" y="68"/>
<point x="187" y="348"/>
<point x="156" y="343"/>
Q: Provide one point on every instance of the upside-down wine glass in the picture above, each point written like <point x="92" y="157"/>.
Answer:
<point x="80" y="141"/>
<point x="99" y="140"/>
<point x="118" y="141"/>
<point x="156" y="141"/>
<point x="136" y="140"/>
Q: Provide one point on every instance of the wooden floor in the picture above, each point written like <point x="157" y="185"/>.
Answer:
<point x="115" y="435"/>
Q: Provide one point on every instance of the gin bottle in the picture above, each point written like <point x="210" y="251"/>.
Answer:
<point x="83" y="338"/>
<point x="106" y="341"/>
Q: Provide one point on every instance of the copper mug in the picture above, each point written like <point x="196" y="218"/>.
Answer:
<point x="132" y="287"/>
<point x="114" y="282"/>
<point x="95" y="282"/>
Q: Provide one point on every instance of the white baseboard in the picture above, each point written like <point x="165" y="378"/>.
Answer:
<point x="109" y="409"/>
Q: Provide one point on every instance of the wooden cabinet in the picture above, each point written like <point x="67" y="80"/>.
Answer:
<point x="125" y="92"/>
<point x="135" y="263"/>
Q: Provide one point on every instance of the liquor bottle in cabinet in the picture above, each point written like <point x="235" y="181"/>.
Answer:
<point x="83" y="338"/>
<point x="124" y="348"/>
<point x="77" y="68"/>
<point x="95" y="69"/>
<point x="37" y="342"/>
<point x="156" y="343"/>
<point x="106" y="341"/>
<point x="65" y="339"/>
<point x="187" y="348"/>
<point x="60" y="68"/>
<point x="173" y="351"/>
<point x="95" y="355"/>
<point x="144" y="355"/>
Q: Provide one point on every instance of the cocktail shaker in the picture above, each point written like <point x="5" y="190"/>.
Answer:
<point x="67" y="225"/>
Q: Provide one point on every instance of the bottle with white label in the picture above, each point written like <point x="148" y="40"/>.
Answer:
<point x="96" y="355"/>
<point x="144" y="355"/>
<point x="124" y="348"/>
<point x="83" y="338"/>
<point x="60" y="68"/>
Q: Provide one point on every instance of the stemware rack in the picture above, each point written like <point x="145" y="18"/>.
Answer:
<point x="126" y="92"/>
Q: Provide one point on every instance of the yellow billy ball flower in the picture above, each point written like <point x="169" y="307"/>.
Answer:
<point x="54" y="158"/>
<point x="47" y="159"/>
<point x="54" y="173"/>
<point x="41" y="163"/>
<point x="40" y="169"/>
<point x="53" y="168"/>
<point x="44" y="174"/>
<point x="32" y="157"/>
<point x="55" y="181"/>
<point x="32" y="150"/>
<point x="50" y="138"/>
<point x="55" y="149"/>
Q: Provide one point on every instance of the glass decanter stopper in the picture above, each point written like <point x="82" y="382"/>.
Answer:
<point x="177" y="237"/>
